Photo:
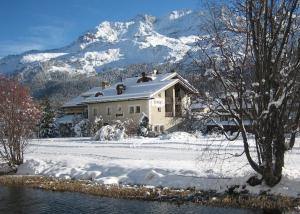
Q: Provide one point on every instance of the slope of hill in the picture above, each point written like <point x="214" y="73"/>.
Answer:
<point x="144" y="39"/>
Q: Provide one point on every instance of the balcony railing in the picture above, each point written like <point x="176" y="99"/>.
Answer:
<point x="169" y="114"/>
<point x="178" y="114"/>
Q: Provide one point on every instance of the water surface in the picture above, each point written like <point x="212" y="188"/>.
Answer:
<point x="26" y="200"/>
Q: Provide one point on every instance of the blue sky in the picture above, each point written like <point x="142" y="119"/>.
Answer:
<point x="46" y="24"/>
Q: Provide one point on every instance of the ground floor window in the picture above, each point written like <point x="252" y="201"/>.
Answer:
<point x="157" y="128"/>
<point x="131" y="109"/>
<point x="108" y="111"/>
<point x="95" y="112"/>
<point x="119" y="108"/>
<point x="119" y="115"/>
<point x="137" y="109"/>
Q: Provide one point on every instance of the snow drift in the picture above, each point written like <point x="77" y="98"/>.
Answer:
<point x="203" y="162"/>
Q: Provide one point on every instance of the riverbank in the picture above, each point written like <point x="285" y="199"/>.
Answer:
<point x="179" y="196"/>
<point x="6" y="170"/>
<point x="177" y="160"/>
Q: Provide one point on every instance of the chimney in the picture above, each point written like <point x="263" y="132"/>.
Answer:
<point x="144" y="78"/>
<point x="104" y="85"/>
<point x="120" y="88"/>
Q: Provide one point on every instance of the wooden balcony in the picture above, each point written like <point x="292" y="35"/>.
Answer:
<point x="177" y="100"/>
<point x="178" y="114"/>
<point x="169" y="114"/>
<point x="169" y="100"/>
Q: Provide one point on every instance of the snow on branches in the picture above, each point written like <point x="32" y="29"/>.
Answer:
<point x="254" y="66"/>
<point x="18" y="118"/>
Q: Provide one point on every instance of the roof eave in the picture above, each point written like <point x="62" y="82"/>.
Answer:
<point x="116" y="100"/>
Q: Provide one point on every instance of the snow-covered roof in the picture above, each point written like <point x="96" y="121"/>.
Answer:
<point x="133" y="91"/>
<point x="67" y="119"/>
<point x="142" y="90"/>
<point x="79" y="100"/>
<point x="76" y="101"/>
<point x="91" y="92"/>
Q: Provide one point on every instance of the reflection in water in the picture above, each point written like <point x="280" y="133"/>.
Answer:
<point x="25" y="200"/>
<point x="272" y="211"/>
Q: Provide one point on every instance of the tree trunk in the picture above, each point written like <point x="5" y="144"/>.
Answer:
<point x="272" y="168"/>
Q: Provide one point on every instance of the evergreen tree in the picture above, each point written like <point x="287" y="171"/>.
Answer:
<point x="47" y="127"/>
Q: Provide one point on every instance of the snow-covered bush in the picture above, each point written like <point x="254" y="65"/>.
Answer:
<point x="143" y="128"/>
<point x="82" y="129"/>
<point x="19" y="115"/>
<point x="111" y="132"/>
<point x="66" y="130"/>
<point x="131" y="127"/>
<point x="98" y="123"/>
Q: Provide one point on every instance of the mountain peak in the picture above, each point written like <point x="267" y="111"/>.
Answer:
<point x="143" y="39"/>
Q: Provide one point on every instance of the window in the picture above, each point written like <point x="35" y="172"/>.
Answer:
<point x="156" y="128"/>
<point x="137" y="109"/>
<point x="119" y="108"/>
<point x="119" y="112"/>
<point x="162" y="128"/>
<point x="95" y="112"/>
<point x="159" y="109"/>
<point x="159" y="95"/>
<point x="108" y="111"/>
<point x="131" y="109"/>
<point x="119" y="115"/>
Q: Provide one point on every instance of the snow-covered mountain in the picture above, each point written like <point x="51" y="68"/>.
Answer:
<point x="144" y="39"/>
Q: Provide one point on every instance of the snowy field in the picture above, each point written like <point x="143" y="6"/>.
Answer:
<point x="176" y="160"/>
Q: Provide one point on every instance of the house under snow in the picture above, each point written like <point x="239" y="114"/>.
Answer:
<point x="164" y="98"/>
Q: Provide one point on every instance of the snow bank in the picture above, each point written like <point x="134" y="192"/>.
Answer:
<point x="202" y="162"/>
<point x="180" y="136"/>
<point x="5" y="168"/>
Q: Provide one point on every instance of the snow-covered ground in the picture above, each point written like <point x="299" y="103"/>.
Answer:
<point x="176" y="160"/>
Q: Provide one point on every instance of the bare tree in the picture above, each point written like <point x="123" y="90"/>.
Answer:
<point x="254" y="63"/>
<point x="18" y="117"/>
